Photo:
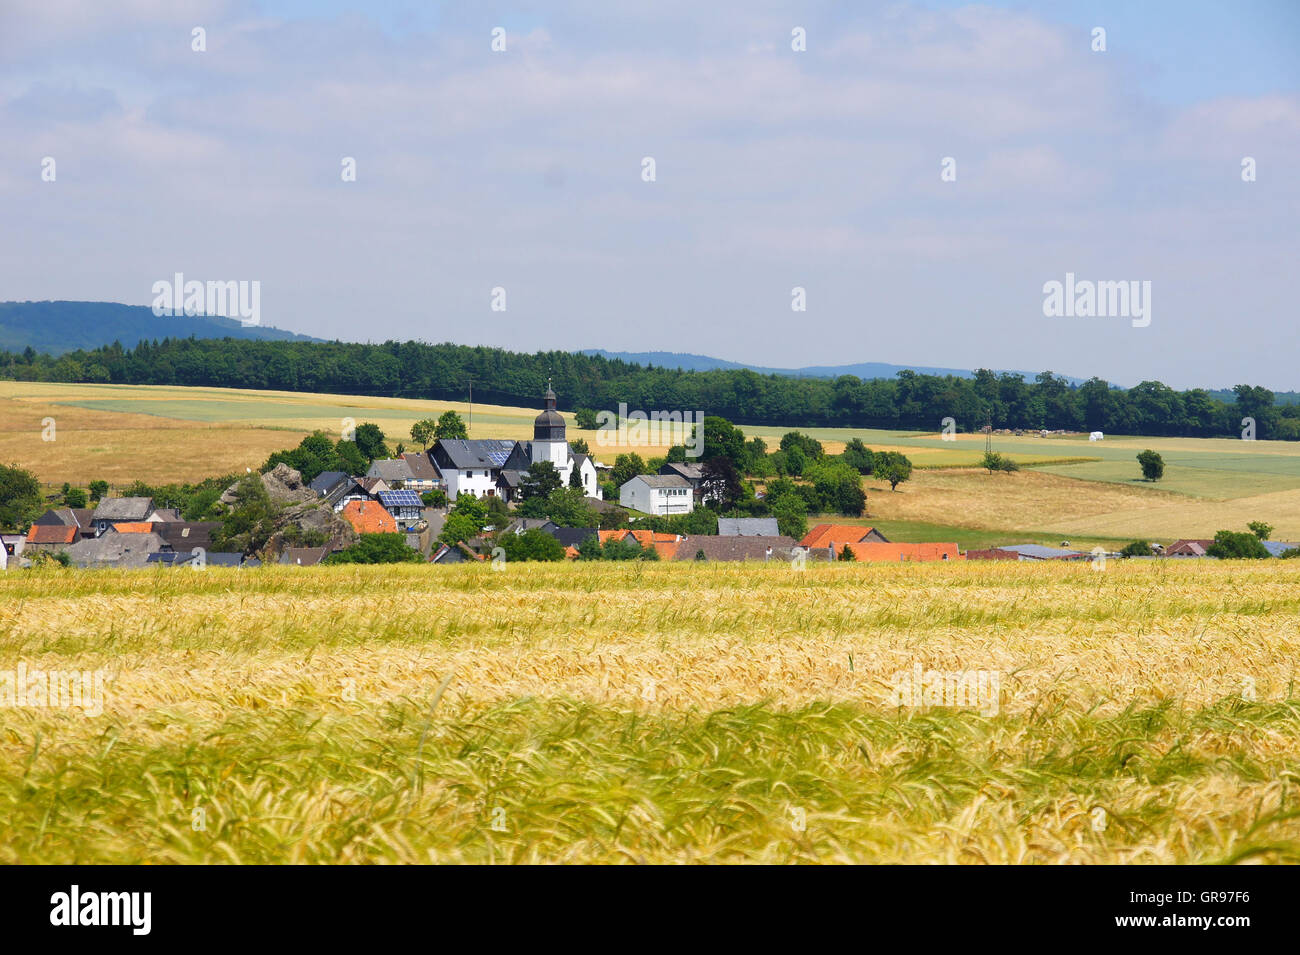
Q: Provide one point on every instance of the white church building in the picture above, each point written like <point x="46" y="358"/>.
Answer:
<point x="487" y="468"/>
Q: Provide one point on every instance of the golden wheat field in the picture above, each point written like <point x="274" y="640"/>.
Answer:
<point x="609" y="713"/>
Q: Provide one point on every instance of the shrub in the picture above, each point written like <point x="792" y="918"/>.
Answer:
<point x="1137" y="549"/>
<point x="1236" y="545"/>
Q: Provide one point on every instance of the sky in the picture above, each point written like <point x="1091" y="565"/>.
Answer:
<point x="820" y="169"/>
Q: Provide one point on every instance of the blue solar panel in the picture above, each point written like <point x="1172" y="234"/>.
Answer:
<point x="498" y="458"/>
<point x="399" y="499"/>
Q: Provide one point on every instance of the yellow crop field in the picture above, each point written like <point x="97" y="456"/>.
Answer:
<point x="1142" y="713"/>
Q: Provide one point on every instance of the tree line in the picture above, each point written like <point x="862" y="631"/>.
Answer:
<point x="910" y="401"/>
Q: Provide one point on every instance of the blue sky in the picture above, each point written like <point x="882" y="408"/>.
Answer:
<point x="775" y="169"/>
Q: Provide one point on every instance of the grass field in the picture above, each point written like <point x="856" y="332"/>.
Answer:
<point x="160" y="434"/>
<point x="1145" y="713"/>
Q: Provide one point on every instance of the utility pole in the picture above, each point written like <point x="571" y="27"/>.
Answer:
<point x="470" y="426"/>
<point x="988" y="432"/>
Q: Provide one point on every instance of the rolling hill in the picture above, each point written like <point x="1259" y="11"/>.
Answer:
<point x="58" y="327"/>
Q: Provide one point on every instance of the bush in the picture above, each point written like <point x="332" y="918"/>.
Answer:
<point x="998" y="462"/>
<point x="1137" y="549"/>
<point x="847" y="554"/>
<point x="434" y="498"/>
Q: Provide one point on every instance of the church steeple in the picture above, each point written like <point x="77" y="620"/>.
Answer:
<point x="549" y="426"/>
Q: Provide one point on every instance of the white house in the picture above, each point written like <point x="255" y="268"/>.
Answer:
<point x="658" y="494"/>
<point x="487" y="468"/>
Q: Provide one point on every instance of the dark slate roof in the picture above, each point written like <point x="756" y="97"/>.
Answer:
<point x="748" y="527"/>
<point x="521" y="524"/>
<point x="735" y="548"/>
<point x="186" y="535"/>
<point x="692" y="472"/>
<point x="224" y="559"/>
<point x="123" y="509"/>
<point x="662" y="480"/>
<point x="476" y="453"/>
<point x="324" y="482"/>
<point x="572" y="536"/>
<point x="56" y="517"/>
<point x="307" y="556"/>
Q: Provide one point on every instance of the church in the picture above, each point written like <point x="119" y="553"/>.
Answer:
<point x="490" y="467"/>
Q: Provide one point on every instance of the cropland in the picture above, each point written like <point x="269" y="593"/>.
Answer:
<point x="1146" y="712"/>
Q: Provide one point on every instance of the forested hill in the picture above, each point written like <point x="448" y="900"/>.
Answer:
<point x="910" y="401"/>
<point x="57" y="327"/>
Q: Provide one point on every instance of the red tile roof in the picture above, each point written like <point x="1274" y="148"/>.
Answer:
<point x="824" y="535"/>
<point x="665" y="544"/>
<point x="872" y="552"/>
<point x="52" y="534"/>
<point x="134" y="527"/>
<point x="369" y="517"/>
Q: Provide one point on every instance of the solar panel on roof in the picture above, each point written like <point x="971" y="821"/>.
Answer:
<point x="401" y="498"/>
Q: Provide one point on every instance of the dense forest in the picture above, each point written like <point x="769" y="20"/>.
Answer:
<point x="909" y="401"/>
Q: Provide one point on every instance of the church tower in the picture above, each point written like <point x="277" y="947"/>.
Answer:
<point x="549" y="442"/>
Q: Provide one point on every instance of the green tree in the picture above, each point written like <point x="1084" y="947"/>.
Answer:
<point x="424" y="431"/>
<point x="893" y="467"/>
<point x="626" y="467"/>
<point x="1153" y="465"/>
<point x="377" y="549"/>
<point x="539" y="480"/>
<point x="585" y="419"/>
<point x="98" y="490"/>
<point x="846" y="553"/>
<point x="720" y="484"/>
<point x="1260" y="529"/>
<point x="1137" y="549"/>
<point x="370" y="440"/>
<point x="20" y="498"/>
<point x="568" y="507"/>
<point x="348" y="458"/>
<point x="811" y="447"/>
<point x="76" y="497"/>
<point x="1236" y="545"/>
<point x="458" y="528"/>
<point x="580" y="446"/>
<point x="531" y="545"/>
<point x="450" y="426"/>
<point x="859" y="457"/>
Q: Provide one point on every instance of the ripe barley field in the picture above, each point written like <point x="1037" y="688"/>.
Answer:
<point x="1145" y="713"/>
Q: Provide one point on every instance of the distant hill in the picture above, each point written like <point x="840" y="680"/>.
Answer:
<point x="868" y="369"/>
<point x="57" y="327"/>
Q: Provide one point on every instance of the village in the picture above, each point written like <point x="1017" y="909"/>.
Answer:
<point x="412" y="496"/>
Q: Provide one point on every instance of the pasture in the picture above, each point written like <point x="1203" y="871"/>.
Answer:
<point x="1145" y="713"/>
